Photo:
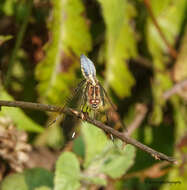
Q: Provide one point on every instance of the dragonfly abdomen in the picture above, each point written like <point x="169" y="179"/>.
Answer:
<point x="88" y="69"/>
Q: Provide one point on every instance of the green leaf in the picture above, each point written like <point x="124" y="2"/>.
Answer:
<point x="120" y="44"/>
<point x="20" y="118"/>
<point x="178" y="181"/>
<point x="55" y="137"/>
<point x="75" y="27"/>
<point x="28" y="180"/>
<point x="94" y="180"/>
<point x="118" y="162"/>
<point x="15" y="181"/>
<point x="9" y="7"/>
<point x="169" y="17"/>
<point x="79" y="146"/>
<point x="69" y="33"/>
<point x="180" y="69"/>
<point x="5" y="38"/>
<point x="95" y="141"/>
<point x="179" y="117"/>
<point x="43" y="188"/>
<point x="52" y="137"/>
<point x="67" y="172"/>
<point x="104" y="156"/>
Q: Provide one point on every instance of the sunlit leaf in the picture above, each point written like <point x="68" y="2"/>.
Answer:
<point x="117" y="163"/>
<point x="94" y="180"/>
<point x="4" y="38"/>
<point x="69" y="37"/>
<point x="95" y="141"/>
<point x="103" y="155"/>
<point x="18" y="116"/>
<point x="180" y="69"/>
<point x="67" y="172"/>
<point x="176" y="180"/>
<point x="52" y="137"/>
<point x="8" y="7"/>
<point x="28" y="180"/>
<point x="169" y="17"/>
<point x="43" y="188"/>
<point x="120" y="44"/>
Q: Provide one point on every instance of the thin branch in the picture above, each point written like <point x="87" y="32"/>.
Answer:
<point x="172" y="51"/>
<point x="175" y="89"/>
<point x="84" y="117"/>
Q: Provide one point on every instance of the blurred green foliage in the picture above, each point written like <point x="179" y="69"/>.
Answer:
<point x="55" y="84"/>
<point x="29" y="179"/>
<point x="40" y="45"/>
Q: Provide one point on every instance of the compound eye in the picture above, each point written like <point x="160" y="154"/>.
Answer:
<point x="97" y="101"/>
<point x="92" y="101"/>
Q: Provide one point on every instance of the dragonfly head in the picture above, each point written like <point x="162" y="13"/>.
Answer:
<point x="94" y="96"/>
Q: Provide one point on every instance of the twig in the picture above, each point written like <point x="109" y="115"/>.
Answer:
<point x="175" y="89"/>
<point x="84" y="117"/>
<point x="172" y="51"/>
<point x="141" y="110"/>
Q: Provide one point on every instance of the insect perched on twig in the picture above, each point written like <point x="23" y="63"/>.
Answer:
<point x="89" y="94"/>
<point x="93" y="94"/>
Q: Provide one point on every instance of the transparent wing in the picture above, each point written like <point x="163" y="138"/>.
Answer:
<point x="74" y="102"/>
<point x="77" y="97"/>
<point x="112" y="117"/>
<point x="105" y="97"/>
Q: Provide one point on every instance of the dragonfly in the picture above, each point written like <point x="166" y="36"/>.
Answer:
<point x="93" y="93"/>
<point x="90" y="95"/>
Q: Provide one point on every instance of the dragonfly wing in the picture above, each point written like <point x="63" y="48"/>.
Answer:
<point x="109" y="114"/>
<point x="76" y="98"/>
<point x="71" y="101"/>
<point x="74" y="102"/>
<point x="105" y="95"/>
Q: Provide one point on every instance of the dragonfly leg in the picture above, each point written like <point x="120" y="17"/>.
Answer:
<point x="73" y="135"/>
<point x="55" y="120"/>
<point x="107" y="122"/>
<point x="114" y="108"/>
<point x="111" y="136"/>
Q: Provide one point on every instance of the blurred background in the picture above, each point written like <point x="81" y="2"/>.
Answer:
<point x="139" y="48"/>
